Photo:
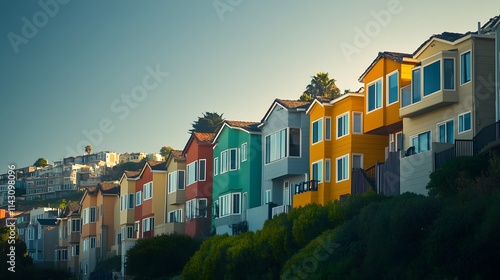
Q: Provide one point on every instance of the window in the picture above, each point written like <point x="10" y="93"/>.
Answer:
<point x="357" y="123"/>
<point x="317" y="133"/>
<point x="76" y="225"/>
<point x="432" y="77"/>
<point x="203" y="169"/>
<point x="357" y="161"/>
<point x="317" y="171"/>
<point x="375" y="95"/>
<point x="415" y="86"/>
<point x="89" y="215"/>
<point x="75" y="250"/>
<point x="92" y="242"/>
<point x="342" y="168"/>
<point x="342" y="125"/>
<point x="130" y="201"/>
<point x="406" y="98"/>
<point x="148" y="224"/>
<point x="328" y="128"/>
<point x="148" y="190"/>
<point x="421" y="142"/>
<point x="445" y="132"/>
<point x="175" y="216"/>
<point x="230" y="204"/>
<point x="130" y="232"/>
<point x="233" y="159"/>
<point x="138" y="198"/>
<point x="327" y="170"/>
<point x="223" y="162"/>
<point x="294" y="143"/>
<point x="192" y="173"/>
<point x="123" y="200"/>
<point x="464" y="122"/>
<point x="216" y="166"/>
<point x="120" y="236"/>
<point x="392" y="88"/>
<point x="244" y="152"/>
<point x="175" y="181"/>
<point x="449" y="73"/>
<point x="267" y="197"/>
<point x="465" y="68"/>
<point x="61" y="255"/>
<point x="276" y="146"/>
<point x="196" y="208"/>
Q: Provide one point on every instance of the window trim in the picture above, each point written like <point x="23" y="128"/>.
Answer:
<point x="471" y="122"/>
<point x="347" y="158"/>
<point x="381" y="79"/>
<point x="328" y="128"/>
<point x="417" y="135"/>
<point x="320" y="172"/>
<point x="243" y="153"/>
<point x="346" y="114"/>
<point x="328" y="170"/>
<point x="395" y="72"/>
<point x="420" y="86"/>
<point x="204" y="170"/>
<point x="196" y="167"/>
<point x="470" y="56"/>
<point x="454" y="74"/>
<point x="288" y="155"/>
<point x="361" y="120"/>
<point x="422" y="77"/>
<point x="320" y="131"/>
<point x="146" y="186"/>
<point x="138" y="194"/>
<point x="265" y="149"/>
<point x="446" y="131"/>
<point x="216" y="166"/>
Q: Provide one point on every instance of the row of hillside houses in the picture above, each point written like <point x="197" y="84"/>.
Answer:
<point x="415" y="112"/>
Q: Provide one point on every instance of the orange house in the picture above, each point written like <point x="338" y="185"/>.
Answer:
<point x="338" y="145"/>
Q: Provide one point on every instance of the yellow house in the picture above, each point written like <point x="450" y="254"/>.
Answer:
<point x="386" y="77"/>
<point x="338" y="145"/>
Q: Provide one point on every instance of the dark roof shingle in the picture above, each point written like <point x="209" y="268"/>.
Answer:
<point x="292" y="104"/>
<point x="204" y="137"/>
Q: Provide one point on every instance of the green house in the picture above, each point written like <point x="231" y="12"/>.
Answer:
<point x="237" y="175"/>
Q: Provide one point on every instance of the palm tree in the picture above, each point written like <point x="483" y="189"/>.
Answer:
<point x="88" y="149"/>
<point x="320" y="85"/>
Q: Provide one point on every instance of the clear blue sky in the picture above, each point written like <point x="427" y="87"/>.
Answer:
<point x="64" y="71"/>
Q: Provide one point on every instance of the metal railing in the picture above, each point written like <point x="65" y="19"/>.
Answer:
<point x="280" y="209"/>
<point x="307" y="186"/>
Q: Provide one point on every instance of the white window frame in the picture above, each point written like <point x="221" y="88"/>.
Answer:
<point x="178" y="218"/>
<point x="360" y="124"/>
<point x="320" y="170"/>
<point x="381" y="79"/>
<point x="395" y="72"/>
<point x="147" y="190"/>
<point x="236" y="159"/>
<point x="463" y="119"/>
<point x="328" y="170"/>
<point x="346" y="130"/>
<point x="328" y="128"/>
<point x="416" y="136"/>
<point x="320" y="131"/>
<point x="440" y="75"/>
<point x="195" y="172"/>
<point x="244" y="150"/>
<point x="445" y="130"/>
<point x="345" y="160"/>
<point x="202" y="171"/>
<point x="470" y="56"/>
<point x="216" y="166"/>
<point x="276" y="145"/>
<point x="138" y="198"/>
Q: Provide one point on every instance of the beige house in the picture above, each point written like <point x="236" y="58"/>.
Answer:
<point x="97" y="214"/>
<point x="447" y="104"/>
<point x="175" y="196"/>
<point x="68" y="248"/>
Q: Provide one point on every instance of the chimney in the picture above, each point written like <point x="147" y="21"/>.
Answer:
<point x="478" y="27"/>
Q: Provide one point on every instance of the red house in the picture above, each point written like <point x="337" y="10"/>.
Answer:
<point x="150" y="198"/>
<point x="199" y="164"/>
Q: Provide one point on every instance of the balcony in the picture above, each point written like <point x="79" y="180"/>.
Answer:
<point x="308" y="186"/>
<point x="280" y="209"/>
<point x="412" y="106"/>
<point x="177" y="197"/>
<point x="169" y="228"/>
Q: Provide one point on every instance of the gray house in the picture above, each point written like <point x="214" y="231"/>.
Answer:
<point x="285" y="154"/>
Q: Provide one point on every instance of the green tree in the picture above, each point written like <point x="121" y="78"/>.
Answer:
<point x="165" y="150"/>
<point x="88" y="149"/>
<point x="160" y="256"/>
<point x="41" y="162"/>
<point x="320" y="85"/>
<point x="209" y="123"/>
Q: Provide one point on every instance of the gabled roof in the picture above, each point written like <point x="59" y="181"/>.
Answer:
<point x="286" y="104"/>
<point x="177" y="155"/>
<point x="491" y="24"/>
<point x="104" y="188"/>
<point x="72" y="207"/>
<point x="157" y="165"/>
<point x="47" y="222"/>
<point x="321" y="101"/>
<point x="201" y="138"/>
<point x="395" y="56"/>
<point x="249" y="127"/>
<point x="448" y="37"/>
<point x="132" y="174"/>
